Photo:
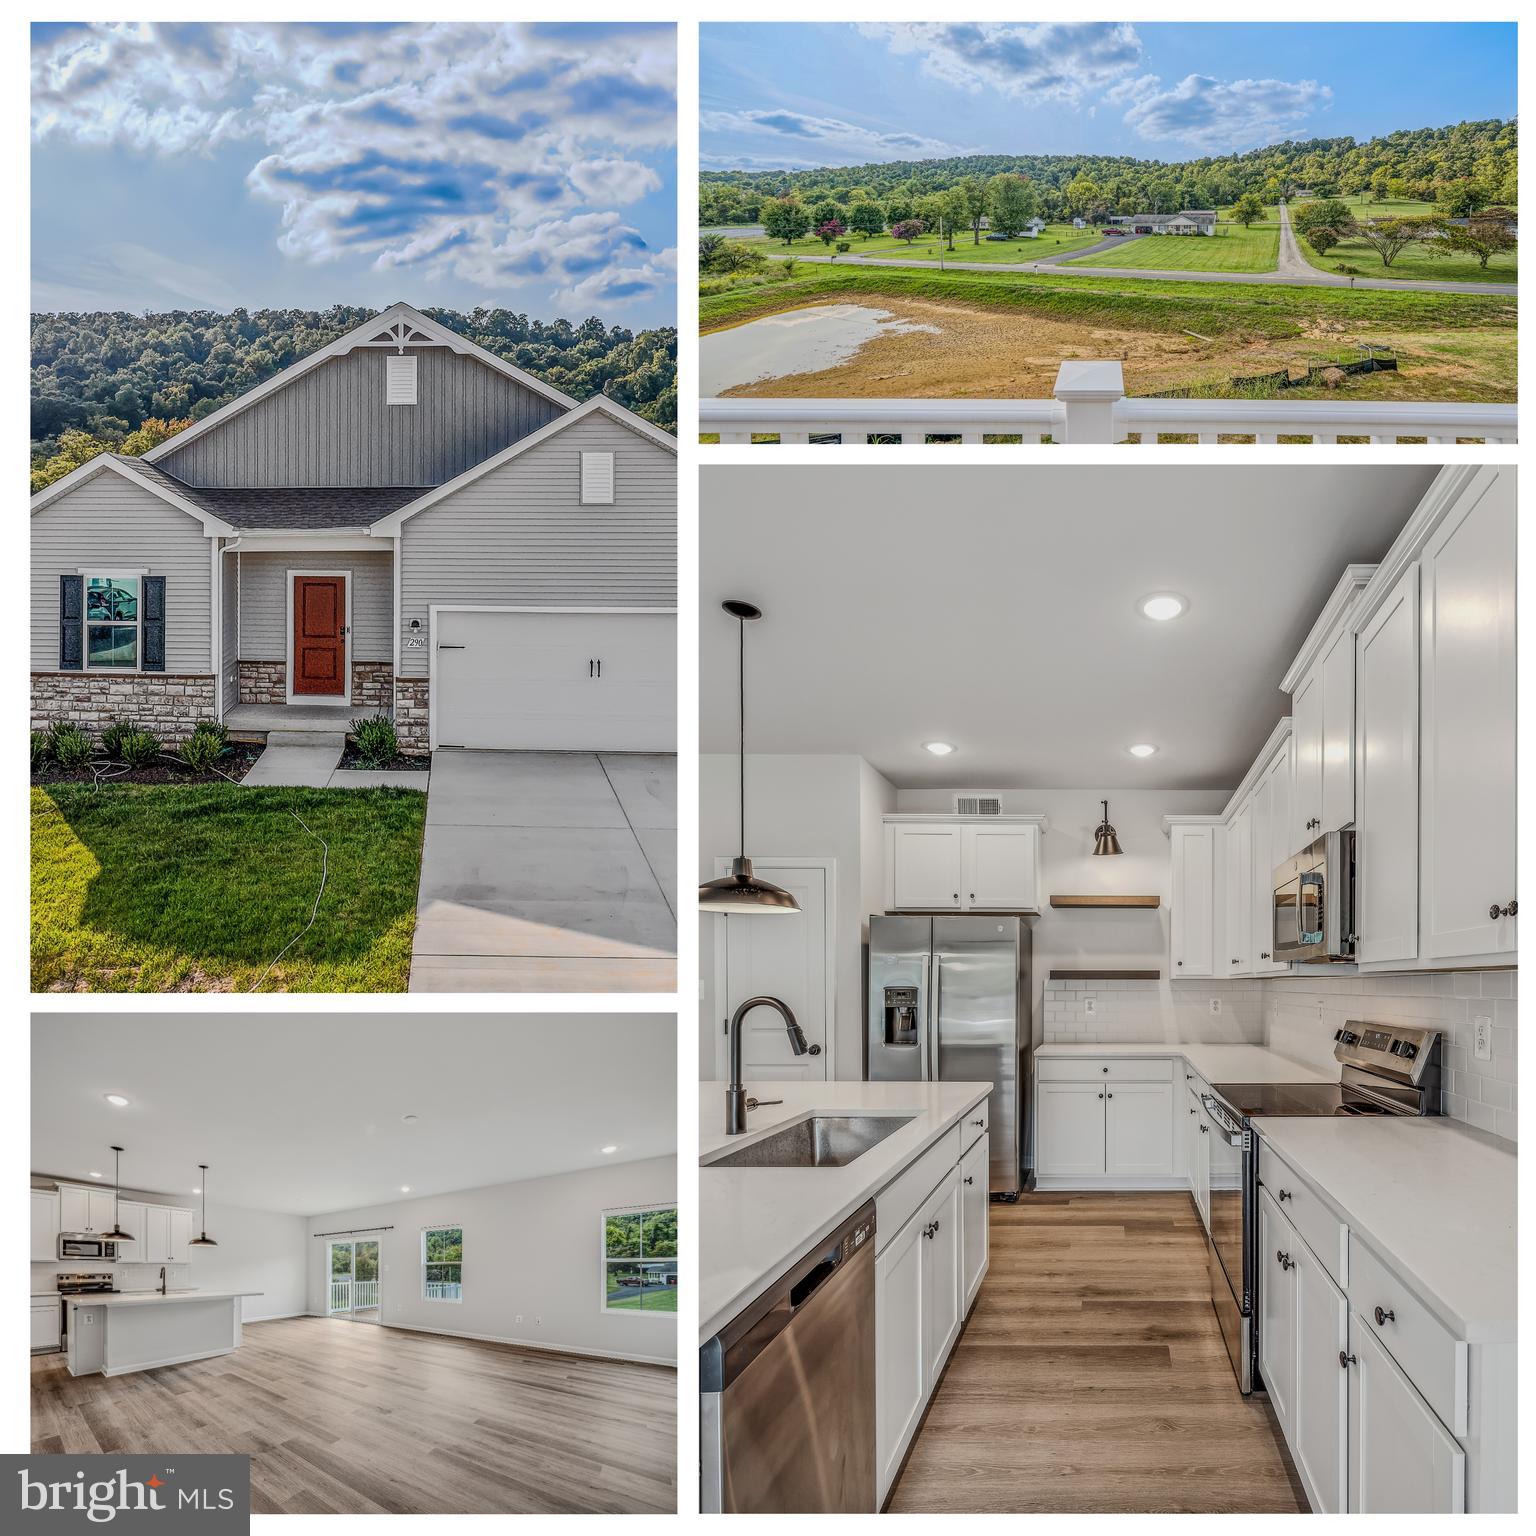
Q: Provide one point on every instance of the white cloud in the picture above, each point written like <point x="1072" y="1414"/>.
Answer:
<point x="811" y="140"/>
<point x="405" y="145"/>
<point x="1220" y="116"/>
<point x="1044" y="61"/>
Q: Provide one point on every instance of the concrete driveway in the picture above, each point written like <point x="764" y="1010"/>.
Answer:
<point x="548" y="872"/>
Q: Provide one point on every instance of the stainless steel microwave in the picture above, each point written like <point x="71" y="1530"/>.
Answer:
<point x="87" y="1245"/>
<point x="1313" y="913"/>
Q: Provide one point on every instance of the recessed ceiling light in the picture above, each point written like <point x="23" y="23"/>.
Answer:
<point x="94" y="1174"/>
<point x="115" y="1098"/>
<point x="197" y="1189"/>
<point x="405" y="1189"/>
<point x="1162" y="606"/>
<point x="1142" y="749"/>
<point x="608" y="1149"/>
<point x="939" y="748"/>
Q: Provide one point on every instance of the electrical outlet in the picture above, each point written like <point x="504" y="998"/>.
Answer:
<point x="518" y="1318"/>
<point x="538" y="1322"/>
<point x="1090" y="1006"/>
<point x="1482" y="1037"/>
<point x="1215" y="1005"/>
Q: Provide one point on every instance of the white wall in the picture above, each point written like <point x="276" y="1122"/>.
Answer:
<point x="257" y="1251"/>
<point x="531" y="1250"/>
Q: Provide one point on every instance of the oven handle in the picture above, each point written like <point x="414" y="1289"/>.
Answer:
<point x="1232" y="1134"/>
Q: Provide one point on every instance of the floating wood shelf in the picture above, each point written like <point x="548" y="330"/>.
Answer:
<point x="1106" y="901"/>
<point x="1106" y="975"/>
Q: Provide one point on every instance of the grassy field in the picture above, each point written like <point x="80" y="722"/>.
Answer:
<point x="1231" y="249"/>
<point x="1415" y="264"/>
<point x="1056" y="239"/>
<point x="162" y="888"/>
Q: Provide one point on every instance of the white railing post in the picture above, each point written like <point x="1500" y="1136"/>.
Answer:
<point x="1089" y="393"/>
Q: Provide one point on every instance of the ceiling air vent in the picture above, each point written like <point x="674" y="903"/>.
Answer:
<point x="978" y="805"/>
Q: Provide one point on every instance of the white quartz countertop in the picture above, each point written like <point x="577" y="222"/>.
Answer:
<point x="1214" y="1062"/>
<point x="1433" y="1198"/>
<point x="154" y="1298"/>
<point x="754" y="1223"/>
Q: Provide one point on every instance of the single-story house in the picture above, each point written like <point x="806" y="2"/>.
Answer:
<point x="399" y="522"/>
<point x="1190" y="221"/>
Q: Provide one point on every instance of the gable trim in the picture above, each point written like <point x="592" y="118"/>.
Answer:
<point x="361" y="336"/>
<point x="213" y="527"/>
<point x="598" y="403"/>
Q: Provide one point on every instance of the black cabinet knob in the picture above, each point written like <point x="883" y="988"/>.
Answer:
<point x="1345" y="1361"/>
<point x="1285" y="1194"/>
<point x="1383" y="1318"/>
<point x="969" y="1179"/>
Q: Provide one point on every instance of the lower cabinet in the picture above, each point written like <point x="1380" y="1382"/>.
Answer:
<point x="1105" y="1121"/>
<point x="974" y="1210"/>
<point x="940" y="1222"/>
<point x="46" y="1331"/>
<point x="1138" y="1130"/>
<point x="1069" y="1130"/>
<point x="1277" y="1312"/>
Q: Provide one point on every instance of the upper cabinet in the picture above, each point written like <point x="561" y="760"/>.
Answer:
<point x="963" y="863"/>
<point x="45" y="1226"/>
<point x="1272" y="827"/>
<point x="85" y="1210"/>
<point x="1192" y="896"/>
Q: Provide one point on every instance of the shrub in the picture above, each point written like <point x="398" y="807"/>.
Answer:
<point x="39" y="750"/>
<point x="216" y="729"/>
<point x="200" y="751"/>
<point x="112" y="736"/>
<point x="376" y="740"/>
<point x="843" y="245"/>
<point x="68" y="745"/>
<point x="138" y="748"/>
<point x="907" y="229"/>
<point x="1322" y="238"/>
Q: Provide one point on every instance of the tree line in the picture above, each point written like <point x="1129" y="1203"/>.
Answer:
<point x="119" y="381"/>
<point x="1471" y="162"/>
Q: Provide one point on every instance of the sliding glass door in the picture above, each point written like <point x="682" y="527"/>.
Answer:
<point x="354" y="1284"/>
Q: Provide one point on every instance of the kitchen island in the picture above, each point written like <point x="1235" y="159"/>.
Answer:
<point x="114" y="1334"/>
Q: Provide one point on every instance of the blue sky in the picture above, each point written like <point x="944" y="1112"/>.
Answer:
<point x="790" y="96"/>
<point x="206" y="166"/>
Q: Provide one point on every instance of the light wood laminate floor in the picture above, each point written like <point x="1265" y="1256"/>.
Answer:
<point x="338" y="1418"/>
<point x="1092" y="1377"/>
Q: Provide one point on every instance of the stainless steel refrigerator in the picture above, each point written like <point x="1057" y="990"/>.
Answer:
<point x="948" y="1000"/>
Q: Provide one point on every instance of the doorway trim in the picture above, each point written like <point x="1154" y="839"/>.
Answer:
<point x="290" y="577"/>
<point x="350" y="1315"/>
<point x="722" y="865"/>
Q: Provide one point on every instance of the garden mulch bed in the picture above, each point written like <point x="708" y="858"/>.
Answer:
<point x="234" y="764"/>
<point x="399" y="763"/>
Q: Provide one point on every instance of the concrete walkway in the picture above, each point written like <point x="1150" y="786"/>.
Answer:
<point x="302" y="759"/>
<point x="548" y="872"/>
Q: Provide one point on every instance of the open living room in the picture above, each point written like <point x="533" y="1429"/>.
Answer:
<point x="406" y="1264"/>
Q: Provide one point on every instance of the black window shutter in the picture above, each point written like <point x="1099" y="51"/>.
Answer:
<point x="71" y="614"/>
<point x="152" y="657"/>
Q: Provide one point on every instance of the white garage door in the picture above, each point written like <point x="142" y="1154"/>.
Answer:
<point x="573" y="682"/>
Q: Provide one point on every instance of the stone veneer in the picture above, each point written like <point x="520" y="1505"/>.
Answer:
<point x="266" y="682"/>
<point x="411" y="714"/>
<point x="373" y="684"/>
<point x="168" y="704"/>
<point x="263" y="682"/>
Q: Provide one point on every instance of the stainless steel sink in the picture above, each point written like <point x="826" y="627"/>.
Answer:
<point x="824" y="1141"/>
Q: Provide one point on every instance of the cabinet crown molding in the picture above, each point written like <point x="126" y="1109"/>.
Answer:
<point x="1336" y="611"/>
<point x="1260" y="765"/>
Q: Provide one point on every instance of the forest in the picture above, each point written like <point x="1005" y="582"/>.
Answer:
<point x="1464" y="164"/>
<point x="120" y="381"/>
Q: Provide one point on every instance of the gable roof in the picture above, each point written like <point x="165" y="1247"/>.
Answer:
<point x="145" y="477"/>
<point x="598" y="403"/>
<point x="400" y="326"/>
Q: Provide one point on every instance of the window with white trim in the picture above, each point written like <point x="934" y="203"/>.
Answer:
<point x="400" y="381"/>
<point x="442" y="1264"/>
<point x="640" y="1259"/>
<point x="597" y="479"/>
<point x="112" y="623"/>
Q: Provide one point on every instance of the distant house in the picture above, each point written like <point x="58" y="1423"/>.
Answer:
<point x="1189" y="221"/>
<point x="1079" y="223"/>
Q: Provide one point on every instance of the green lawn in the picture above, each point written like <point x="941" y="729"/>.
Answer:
<point x="647" y="1301"/>
<point x="166" y="888"/>
<point x="1231" y="249"/>
<point x="1415" y="264"/>
<point x="1056" y="239"/>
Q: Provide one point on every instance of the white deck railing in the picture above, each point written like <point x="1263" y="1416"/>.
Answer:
<point x="1091" y="406"/>
<point x="444" y="1290"/>
<point x="353" y="1295"/>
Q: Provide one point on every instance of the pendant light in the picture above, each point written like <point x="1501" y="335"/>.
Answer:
<point x="1104" y="839"/>
<point x="117" y="1235"/>
<point x="741" y="890"/>
<point x="204" y="1241"/>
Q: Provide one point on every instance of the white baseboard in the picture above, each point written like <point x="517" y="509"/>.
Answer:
<point x="274" y="1317"/>
<point x="1173" y="1181"/>
<point x="539" y="1344"/>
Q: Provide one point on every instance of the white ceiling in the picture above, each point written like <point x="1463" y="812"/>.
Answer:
<point x="302" y="1113"/>
<point x="994" y="607"/>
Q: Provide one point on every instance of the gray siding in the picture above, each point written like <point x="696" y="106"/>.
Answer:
<point x="332" y="427"/>
<point x="519" y="534"/>
<point x="264" y="602"/>
<point x="108" y="522"/>
<point x="229" y="628"/>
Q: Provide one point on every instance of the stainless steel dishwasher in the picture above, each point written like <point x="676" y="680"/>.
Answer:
<point x="787" y="1388"/>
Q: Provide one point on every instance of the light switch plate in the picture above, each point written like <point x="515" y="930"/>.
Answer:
<point x="1482" y="1037"/>
<point x="1090" y="1006"/>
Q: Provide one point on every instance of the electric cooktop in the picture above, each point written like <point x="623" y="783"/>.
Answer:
<point x="1253" y="1099"/>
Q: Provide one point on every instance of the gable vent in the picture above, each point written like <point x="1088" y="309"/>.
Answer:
<point x="400" y="381"/>
<point x="597" y="479"/>
<point x="978" y="805"/>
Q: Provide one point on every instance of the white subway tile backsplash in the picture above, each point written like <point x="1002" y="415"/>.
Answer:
<point x="1145" y="1011"/>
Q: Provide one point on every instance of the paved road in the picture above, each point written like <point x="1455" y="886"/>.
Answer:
<point x="1291" y="263"/>
<point x="1108" y="243"/>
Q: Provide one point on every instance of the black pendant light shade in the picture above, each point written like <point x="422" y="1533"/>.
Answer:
<point x="117" y="1235"/>
<point x="204" y="1241"/>
<point x="741" y="891"/>
<point x="1104" y="839"/>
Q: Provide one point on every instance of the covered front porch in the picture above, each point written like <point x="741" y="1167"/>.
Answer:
<point x="253" y="722"/>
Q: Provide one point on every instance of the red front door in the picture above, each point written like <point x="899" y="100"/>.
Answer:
<point x="319" y="635"/>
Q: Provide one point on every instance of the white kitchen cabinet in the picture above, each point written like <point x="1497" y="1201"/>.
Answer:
<point x="1387" y="778"/>
<point x="1203" y="1172"/>
<point x="1307" y="736"/>
<point x="1069" y="1130"/>
<point x="85" y="1210"/>
<point x="132" y="1215"/>
<point x="1467" y="762"/>
<point x="45" y="1226"/>
<point x="46" y="1324"/>
<point x="1238" y="926"/>
<point x="900" y="1349"/>
<point x="1272" y="847"/>
<point x="1000" y="866"/>
<point x="925" y="867"/>
<point x="963" y="864"/>
<point x="940" y="1221"/>
<point x="1338" y="776"/>
<point x="1138" y="1130"/>
<point x="1321" y="1390"/>
<point x="1192" y="899"/>
<point x="975" y="1208"/>
<point x="180" y="1235"/>
<point x="157" y="1235"/>
<point x="1278" y="1248"/>
<point x="1402" y="1459"/>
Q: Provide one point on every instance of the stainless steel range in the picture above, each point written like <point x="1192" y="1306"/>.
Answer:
<point x="1385" y="1069"/>
<point x="90" y="1283"/>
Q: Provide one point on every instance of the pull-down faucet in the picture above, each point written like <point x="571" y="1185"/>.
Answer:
<point x="162" y="1280"/>
<point x="736" y="1101"/>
